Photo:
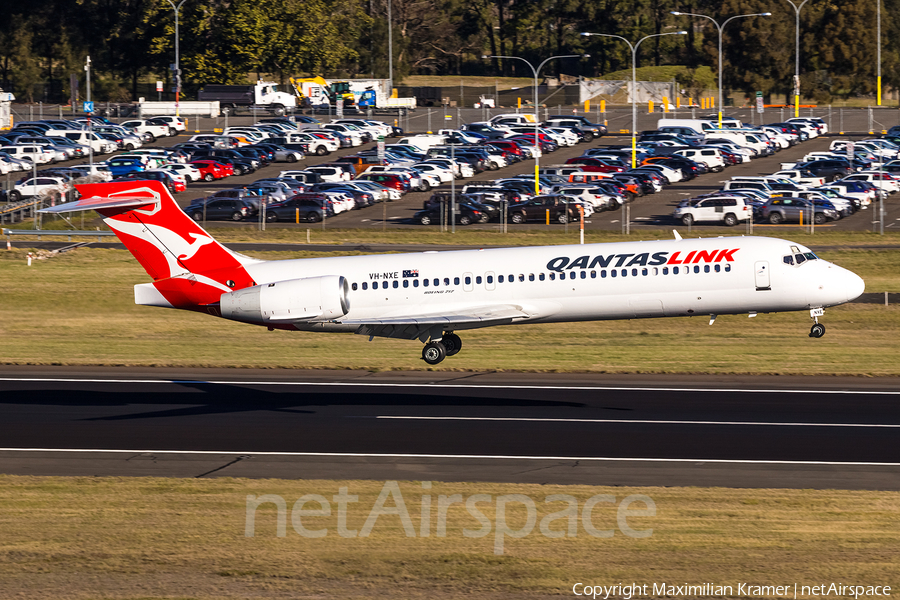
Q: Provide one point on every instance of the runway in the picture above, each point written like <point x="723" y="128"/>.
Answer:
<point x="528" y="428"/>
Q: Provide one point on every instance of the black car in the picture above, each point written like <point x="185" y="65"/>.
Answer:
<point x="465" y="215"/>
<point x="217" y="209"/>
<point x="305" y="207"/>
<point x="829" y="169"/>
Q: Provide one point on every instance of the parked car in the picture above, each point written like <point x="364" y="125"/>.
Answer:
<point x="789" y="209"/>
<point x="211" y="169"/>
<point x="465" y="215"/>
<point x="217" y="209"/>
<point x="307" y="207"/>
<point x="154" y="130"/>
<point x="536" y="209"/>
<point x="729" y="210"/>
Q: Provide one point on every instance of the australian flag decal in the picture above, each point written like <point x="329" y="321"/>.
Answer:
<point x="411" y="273"/>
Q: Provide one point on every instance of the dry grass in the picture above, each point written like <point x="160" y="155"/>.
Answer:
<point x="162" y="538"/>
<point x="78" y="308"/>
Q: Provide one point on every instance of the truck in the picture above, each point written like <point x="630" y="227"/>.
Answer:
<point x="363" y="93"/>
<point x="262" y="95"/>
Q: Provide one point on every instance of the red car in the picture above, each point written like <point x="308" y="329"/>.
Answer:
<point x="397" y="182"/>
<point x="210" y="169"/>
<point x="594" y="164"/>
<point x="508" y="146"/>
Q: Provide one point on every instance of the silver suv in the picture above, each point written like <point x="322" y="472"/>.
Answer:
<point x="729" y="210"/>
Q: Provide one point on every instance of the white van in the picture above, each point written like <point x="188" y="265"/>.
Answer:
<point x="511" y="118"/>
<point x="698" y="125"/>
<point x="87" y="138"/>
<point x="423" y="141"/>
<point x="711" y="157"/>
<point x="38" y="155"/>
<point x="741" y="138"/>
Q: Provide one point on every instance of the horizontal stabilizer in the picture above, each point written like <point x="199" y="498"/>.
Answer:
<point x="98" y="203"/>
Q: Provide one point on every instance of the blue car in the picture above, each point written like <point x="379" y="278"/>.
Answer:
<point x="119" y="167"/>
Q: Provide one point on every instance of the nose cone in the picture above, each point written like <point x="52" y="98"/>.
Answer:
<point x="854" y="285"/>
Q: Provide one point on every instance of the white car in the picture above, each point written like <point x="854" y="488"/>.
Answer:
<point x="354" y="134"/>
<point x="880" y="180"/>
<point x="443" y="174"/>
<point x="176" y="123"/>
<point x="32" y="153"/>
<point x="382" y="193"/>
<point x="330" y="174"/>
<point x="711" y="157"/>
<point x="189" y="172"/>
<point x="567" y="134"/>
<point x="597" y="198"/>
<point x="672" y="175"/>
<point x="39" y="186"/>
<point x="341" y="201"/>
<point x="726" y="209"/>
<point x="142" y="126"/>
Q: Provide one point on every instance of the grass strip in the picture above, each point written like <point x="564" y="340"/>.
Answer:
<point x="78" y="308"/>
<point x="130" y="538"/>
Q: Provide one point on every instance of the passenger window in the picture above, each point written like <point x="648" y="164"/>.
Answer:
<point x="552" y="276"/>
<point x="696" y="268"/>
<point x="613" y="272"/>
<point x="446" y="281"/>
<point x="531" y="277"/>
<point x="624" y="272"/>
<point x="541" y="276"/>
<point x="644" y="272"/>
<point x="499" y="278"/>
<point x="425" y="282"/>
<point x="718" y="268"/>
<point x="468" y="281"/>
<point x="365" y="285"/>
<point x="571" y="274"/>
<point x="593" y="274"/>
<point x="634" y="272"/>
<point x="521" y="277"/>
<point x="353" y="287"/>
<point x="396" y="284"/>
<point x="415" y="283"/>
<point x="478" y="279"/>
<point x="674" y="270"/>
<point x="727" y="268"/>
<point x="456" y="281"/>
<point x="406" y="283"/>
<point x="437" y="282"/>
<point x="584" y="274"/>
<point x="490" y="279"/>
<point x="603" y="274"/>
<point x="706" y="268"/>
<point x="512" y="278"/>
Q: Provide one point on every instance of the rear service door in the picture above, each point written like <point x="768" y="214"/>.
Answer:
<point x="761" y="273"/>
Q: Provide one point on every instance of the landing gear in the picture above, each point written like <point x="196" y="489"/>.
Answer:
<point x="452" y="343"/>
<point x="817" y="330"/>
<point x="436" y="350"/>
<point x="433" y="353"/>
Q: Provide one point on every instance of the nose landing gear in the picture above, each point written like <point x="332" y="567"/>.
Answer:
<point x="437" y="349"/>
<point x="817" y="330"/>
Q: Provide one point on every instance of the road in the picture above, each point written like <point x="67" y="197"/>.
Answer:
<point x="563" y="429"/>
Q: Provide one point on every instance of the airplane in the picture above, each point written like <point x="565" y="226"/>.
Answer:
<point x="430" y="296"/>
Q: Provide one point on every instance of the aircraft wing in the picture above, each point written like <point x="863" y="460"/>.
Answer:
<point x="415" y="326"/>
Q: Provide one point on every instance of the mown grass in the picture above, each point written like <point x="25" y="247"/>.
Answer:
<point x="148" y="537"/>
<point x="78" y="308"/>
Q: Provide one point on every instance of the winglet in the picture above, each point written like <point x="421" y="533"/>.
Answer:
<point x="677" y="235"/>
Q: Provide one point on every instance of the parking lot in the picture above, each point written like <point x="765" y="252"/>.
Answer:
<point x="647" y="212"/>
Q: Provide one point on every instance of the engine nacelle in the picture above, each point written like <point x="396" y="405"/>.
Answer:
<point x="307" y="299"/>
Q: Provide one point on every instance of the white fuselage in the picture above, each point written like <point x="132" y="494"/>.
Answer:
<point x="726" y="275"/>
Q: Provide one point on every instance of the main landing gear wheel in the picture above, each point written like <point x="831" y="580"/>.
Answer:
<point x="452" y="343"/>
<point x="817" y="331"/>
<point x="434" y="352"/>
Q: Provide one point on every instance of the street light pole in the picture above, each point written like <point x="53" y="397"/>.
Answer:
<point x="634" y="49"/>
<point x="87" y="68"/>
<point x="537" y="120"/>
<point x="720" y="28"/>
<point x="390" y="90"/>
<point x="797" y="56"/>
<point x="878" y="84"/>
<point x="177" y="63"/>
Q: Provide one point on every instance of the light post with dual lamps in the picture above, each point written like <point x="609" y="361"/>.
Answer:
<point x="797" y="10"/>
<point x="537" y="120"/>
<point x="177" y="64"/>
<point x="720" y="28"/>
<point x="634" y="49"/>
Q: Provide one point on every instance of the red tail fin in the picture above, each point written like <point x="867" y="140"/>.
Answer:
<point x="188" y="266"/>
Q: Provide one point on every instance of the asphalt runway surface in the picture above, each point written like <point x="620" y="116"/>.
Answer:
<point x="528" y="428"/>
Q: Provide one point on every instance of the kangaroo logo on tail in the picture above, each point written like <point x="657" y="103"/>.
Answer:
<point x="189" y="268"/>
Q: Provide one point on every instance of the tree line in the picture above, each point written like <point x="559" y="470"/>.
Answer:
<point x="228" y="41"/>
